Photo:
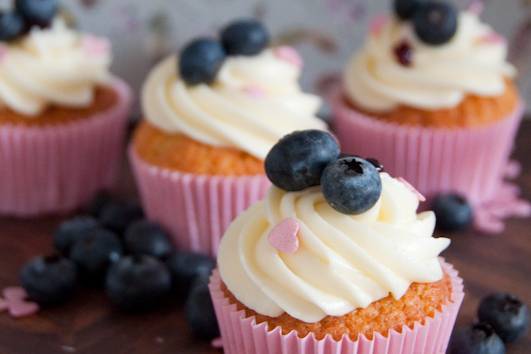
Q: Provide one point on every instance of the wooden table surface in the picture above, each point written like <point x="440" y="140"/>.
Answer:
<point x="89" y="325"/>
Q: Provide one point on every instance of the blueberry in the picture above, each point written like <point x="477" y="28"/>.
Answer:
<point x="49" y="280"/>
<point x="377" y="165"/>
<point x="351" y="185"/>
<point x="37" y="12"/>
<point x="72" y="230"/>
<point x="200" y="61"/>
<point x="12" y="26"/>
<point x="245" y="37"/>
<point x="405" y="9"/>
<point x="100" y="201"/>
<point x="185" y="267"/>
<point x="435" y="22"/>
<point x="144" y="237"/>
<point x="138" y="283"/>
<point x="506" y="314"/>
<point x="117" y="216"/>
<point x="297" y="161"/>
<point x="95" y="252"/>
<point x="477" y="339"/>
<point x="199" y="311"/>
<point x="452" y="211"/>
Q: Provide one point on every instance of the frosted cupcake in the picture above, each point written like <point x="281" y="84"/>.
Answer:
<point x="211" y="115"/>
<point x="62" y="114"/>
<point x="432" y="96"/>
<point x="344" y="267"/>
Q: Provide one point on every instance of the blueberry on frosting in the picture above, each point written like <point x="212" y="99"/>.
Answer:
<point x="405" y="9"/>
<point x="351" y="185"/>
<point x="245" y="37"/>
<point x="201" y="60"/>
<point x="12" y="26"/>
<point x="37" y="12"/>
<point x="435" y="22"/>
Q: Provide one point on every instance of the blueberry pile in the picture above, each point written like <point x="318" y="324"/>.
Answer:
<point x="133" y="259"/>
<point x="201" y="59"/>
<point x="303" y="159"/>
<point x="503" y="319"/>
<point x="25" y="15"/>
<point x="452" y="211"/>
<point x="435" y="22"/>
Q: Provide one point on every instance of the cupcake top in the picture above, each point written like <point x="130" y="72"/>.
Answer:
<point x="236" y="92"/>
<point x="315" y="250"/>
<point x="428" y="56"/>
<point x="43" y="62"/>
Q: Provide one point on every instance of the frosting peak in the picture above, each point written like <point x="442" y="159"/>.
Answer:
<point x="473" y="62"/>
<point x="254" y="102"/>
<point x="343" y="262"/>
<point x="52" y="66"/>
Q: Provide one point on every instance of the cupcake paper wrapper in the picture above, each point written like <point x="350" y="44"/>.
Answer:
<point x="195" y="209"/>
<point x="242" y="335"/>
<point x="470" y="161"/>
<point x="57" y="169"/>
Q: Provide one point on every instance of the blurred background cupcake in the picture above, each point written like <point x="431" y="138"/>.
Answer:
<point x="62" y="114"/>
<point x="211" y="114"/>
<point x="432" y="96"/>
<point x="344" y="267"/>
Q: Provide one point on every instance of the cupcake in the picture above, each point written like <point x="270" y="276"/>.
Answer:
<point x="211" y="115"/>
<point x="432" y="96"/>
<point x="347" y="266"/>
<point x="62" y="114"/>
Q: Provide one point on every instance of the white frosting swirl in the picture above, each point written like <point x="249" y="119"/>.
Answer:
<point x="344" y="262"/>
<point x="52" y="66"/>
<point x="473" y="62"/>
<point x="253" y="103"/>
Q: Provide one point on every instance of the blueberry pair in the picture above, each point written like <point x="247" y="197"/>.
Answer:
<point x="202" y="58"/>
<point x="435" y="22"/>
<point x="27" y="13"/>
<point x="308" y="158"/>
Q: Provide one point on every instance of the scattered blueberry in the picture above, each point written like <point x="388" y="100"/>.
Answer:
<point x="100" y="201"/>
<point x="351" y="185"/>
<point x="95" y="252"/>
<point x="144" y="237"/>
<point x="12" y="26"/>
<point x="405" y="9"/>
<point x="72" y="230"/>
<point x="201" y="60"/>
<point x="117" y="216"/>
<point x="49" y="280"/>
<point x="435" y="22"/>
<point x="199" y="311"/>
<point x="245" y="37"/>
<point x="37" y="12"/>
<point x="506" y="314"/>
<point x="452" y="211"/>
<point x="297" y="161"/>
<point x="185" y="267"/>
<point x="477" y="339"/>
<point x="138" y="283"/>
<point x="404" y="53"/>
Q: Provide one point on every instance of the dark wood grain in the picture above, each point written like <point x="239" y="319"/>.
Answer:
<point x="90" y="325"/>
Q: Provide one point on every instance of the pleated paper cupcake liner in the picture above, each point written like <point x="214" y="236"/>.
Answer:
<point x="195" y="209"/>
<point x="242" y="335"/>
<point x="57" y="169"/>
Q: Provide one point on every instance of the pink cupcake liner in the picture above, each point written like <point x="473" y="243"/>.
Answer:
<point x="242" y="335"/>
<point x="471" y="161"/>
<point x="57" y="169"/>
<point x="195" y="209"/>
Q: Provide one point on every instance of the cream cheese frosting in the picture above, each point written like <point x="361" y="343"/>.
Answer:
<point x="343" y="262"/>
<point x="52" y="66"/>
<point x="472" y="63"/>
<point x="254" y="102"/>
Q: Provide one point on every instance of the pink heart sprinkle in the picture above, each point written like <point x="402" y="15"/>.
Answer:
<point x="377" y="24"/>
<point x="254" y="91"/>
<point x="492" y="38"/>
<point x="419" y="195"/>
<point x="22" y="308"/>
<point x="15" y="293"/>
<point x="96" y="46"/>
<point x="290" y="55"/>
<point x="3" y="305"/>
<point x="476" y="7"/>
<point x="217" y="343"/>
<point x="3" y="52"/>
<point x="283" y="236"/>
